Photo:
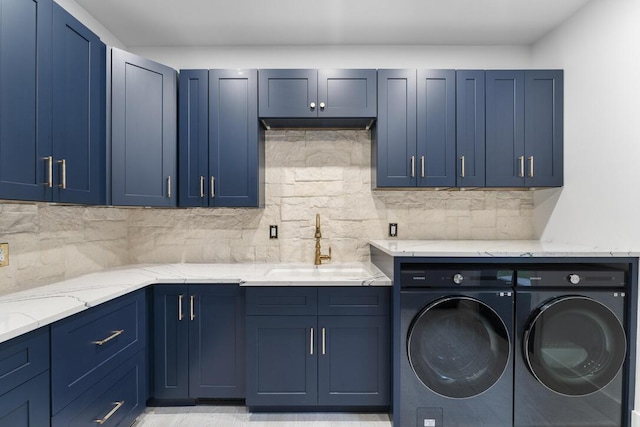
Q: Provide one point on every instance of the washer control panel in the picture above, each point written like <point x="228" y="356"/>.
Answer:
<point x="436" y="276"/>
<point x="582" y="276"/>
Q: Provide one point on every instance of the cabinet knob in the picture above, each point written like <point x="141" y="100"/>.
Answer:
<point x="322" y="105"/>
<point x="312" y="105"/>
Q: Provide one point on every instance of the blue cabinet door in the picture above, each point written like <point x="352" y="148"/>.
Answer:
<point x="394" y="139"/>
<point x="436" y="134"/>
<point x="27" y="405"/>
<point x="236" y="154"/>
<point x="354" y="361"/>
<point x="282" y="361"/>
<point x="25" y="99"/>
<point x="347" y="93"/>
<point x="216" y="342"/>
<point x="193" y="138"/>
<point x="288" y="93"/>
<point x="79" y="91"/>
<point x="543" y="126"/>
<point x="505" y="157"/>
<point x="171" y="341"/>
<point x="470" y="125"/>
<point x="143" y="131"/>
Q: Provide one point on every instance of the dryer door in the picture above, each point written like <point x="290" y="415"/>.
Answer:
<point x="458" y="347"/>
<point x="574" y="345"/>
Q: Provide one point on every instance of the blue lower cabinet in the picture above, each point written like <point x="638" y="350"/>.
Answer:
<point x="116" y="400"/>
<point x="282" y="360"/>
<point x="27" y="405"/>
<point x="354" y="361"/>
<point x="89" y="345"/>
<point x="198" y="342"/>
<point x="323" y="361"/>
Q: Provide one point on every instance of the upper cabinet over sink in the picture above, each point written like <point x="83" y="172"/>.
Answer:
<point x="317" y="98"/>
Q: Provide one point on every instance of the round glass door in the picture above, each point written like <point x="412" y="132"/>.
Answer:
<point x="458" y="347"/>
<point x="574" y="345"/>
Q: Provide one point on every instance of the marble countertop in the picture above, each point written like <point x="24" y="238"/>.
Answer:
<point x="25" y="311"/>
<point x="492" y="248"/>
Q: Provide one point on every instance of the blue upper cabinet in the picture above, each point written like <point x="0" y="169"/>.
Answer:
<point x="79" y="126"/>
<point x="143" y="131"/>
<point x="524" y="128"/>
<point x="193" y="138"/>
<point x="394" y="139"/>
<point x="288" y="93"/>
<point x="347" y="93"/>
<point x="221" y="144"/>
<point x="317" y="98"/>
<point x="543" y="128"/>
<point x="435" y="163"/>
<point x="25" y="98"/>
<point x="236" y="142"/>
<point x="470" y="126"/>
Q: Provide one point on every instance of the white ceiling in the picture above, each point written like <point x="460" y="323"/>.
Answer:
<point x="146" y="23"/>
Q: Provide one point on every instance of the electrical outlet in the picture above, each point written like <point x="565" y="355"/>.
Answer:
<point x="4" y="254"/>
<point x="393" y="229"/>
<point x="273" y="231"/>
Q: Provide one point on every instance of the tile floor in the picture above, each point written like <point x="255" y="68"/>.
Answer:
<point x="238" y="416"/>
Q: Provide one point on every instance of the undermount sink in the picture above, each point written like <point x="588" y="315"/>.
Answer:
<point x="320" y="271"/>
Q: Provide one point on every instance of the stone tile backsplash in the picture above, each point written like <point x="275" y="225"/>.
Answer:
<point x="307" y="172"/>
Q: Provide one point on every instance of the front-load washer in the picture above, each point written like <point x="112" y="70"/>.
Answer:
<point x="456" y="359"/>
<point x="572" y="347"/>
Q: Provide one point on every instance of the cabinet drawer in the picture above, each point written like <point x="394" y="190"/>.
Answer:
<point x="354" y="301"/>
<point x="23" y="358"/>
<point x="272" y="301"/>
<point x="85" y="347"/>
<point x="117" y="399"/>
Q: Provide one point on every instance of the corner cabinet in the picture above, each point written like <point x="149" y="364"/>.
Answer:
<point x="198" y="342"/>
<point x="318" y="347"/>
<point x="221" y="144"/>
<point x="524" y="128"/>
<point x="143" y="132"/>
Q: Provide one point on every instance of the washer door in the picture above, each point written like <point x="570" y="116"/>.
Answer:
<point x="458" y="347"/>
<point x="574" y="345"/>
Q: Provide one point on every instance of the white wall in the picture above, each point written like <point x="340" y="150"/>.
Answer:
<point x="341" y="56"/>
<point x="599" y="49"/>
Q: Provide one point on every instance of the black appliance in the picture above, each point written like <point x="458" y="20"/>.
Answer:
<point x="571" y="347"/>
<point x="456" y="361"/>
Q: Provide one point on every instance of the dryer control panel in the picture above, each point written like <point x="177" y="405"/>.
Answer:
<point x="572" y="276"/>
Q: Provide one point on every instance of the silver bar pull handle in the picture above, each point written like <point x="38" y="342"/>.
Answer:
<point x="63" y="172"/>
<point x="191" y="304"/>
<point x="49" y="181"/>
<point x="169" y="186"/>
<point x="462" y="166"/>
<point x="180" y="313"/>
<point x="201" y="187"/>
<point x="311" y="342"/>
<point x="324" y="342"/>
<point x="213" y="188"/>
<point x="521" y="172"/>
<point x="109" y="338"/>
<point x="531" y="166"/>
<point x="421" y="166"/>
<point x="111" y="412"/>
<point x="413" y="166"/>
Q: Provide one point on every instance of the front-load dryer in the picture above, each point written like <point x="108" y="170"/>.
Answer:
<point x="572" y="346"/>
<point x="456" y="359"/>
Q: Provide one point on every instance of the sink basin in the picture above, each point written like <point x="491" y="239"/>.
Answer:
<point x="339" y="272"/>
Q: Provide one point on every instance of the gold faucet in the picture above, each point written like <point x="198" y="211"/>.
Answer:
<point x="318" y="235"/>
